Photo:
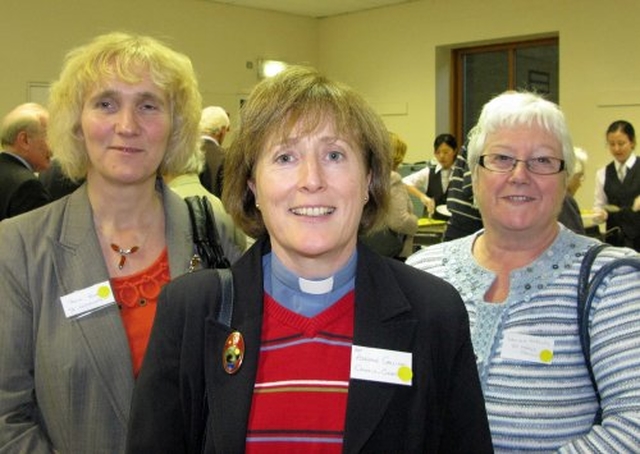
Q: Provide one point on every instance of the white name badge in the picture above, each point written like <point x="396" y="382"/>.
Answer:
<point x="528" y="348"/>
<point x="386" y="366"/>
<point x="87" y="300"/>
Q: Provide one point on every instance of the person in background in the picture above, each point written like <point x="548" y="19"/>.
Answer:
<point x="465" y="218"/>
<point x="232" y="239"/>
<point x="617" y="191"/>
<point x="23" y="136"/>
<point x="430" y="185"/>
<point x="214" y="127"/>
<point x="79" y="277"/>
<point x="576" y="180"/>
<point x="570" y="215"/>
<point x="519" y="280"/>
<point x="57" y="183"/>
<point x="401" y="223"/>
<point x="314" y="310"/>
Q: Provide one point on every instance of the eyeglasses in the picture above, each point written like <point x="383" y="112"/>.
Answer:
<point x="542" y="165"/>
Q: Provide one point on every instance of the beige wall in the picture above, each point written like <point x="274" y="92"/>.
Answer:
<point x="400" y="49"/>
<point x="395" y="56"/>
<point x="220" y="40"/>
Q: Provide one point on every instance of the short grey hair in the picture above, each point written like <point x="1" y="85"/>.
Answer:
<point x="27" y="117"/>
<point x="213" y="120"/>
<point x="512" y="109"/>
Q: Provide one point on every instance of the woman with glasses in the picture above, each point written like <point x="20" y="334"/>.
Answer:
<point x="518" y="277"/>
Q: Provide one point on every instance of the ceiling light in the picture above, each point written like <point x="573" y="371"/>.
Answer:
<point x="269" y="68"/>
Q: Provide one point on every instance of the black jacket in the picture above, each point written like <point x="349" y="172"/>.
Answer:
<point x="396" y="307"/>
<point x="20" y="189"/>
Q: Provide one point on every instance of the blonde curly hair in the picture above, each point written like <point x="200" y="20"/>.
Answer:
<point x="129" y="58"/>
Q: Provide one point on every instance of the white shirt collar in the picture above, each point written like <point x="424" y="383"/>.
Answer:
<point x="629" y="163"/>
<point x="210" y="139"/>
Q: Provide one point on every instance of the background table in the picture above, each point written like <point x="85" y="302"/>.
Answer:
<point x="429" y="232"/>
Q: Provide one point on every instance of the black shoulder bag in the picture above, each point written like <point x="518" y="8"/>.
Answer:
<point x="205" y="233"/>
<point x="206" y="240"/>
<point x="586" y="291"/>
<point x="207" y="243"/>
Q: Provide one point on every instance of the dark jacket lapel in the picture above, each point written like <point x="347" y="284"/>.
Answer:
<point x="381" y="321"/>
<point x="231" y="403"/>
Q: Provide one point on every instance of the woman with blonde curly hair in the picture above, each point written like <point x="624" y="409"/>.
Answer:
<point x="79" y="278"/>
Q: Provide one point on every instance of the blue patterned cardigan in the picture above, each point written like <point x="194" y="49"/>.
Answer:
<point x="550" y="406"/>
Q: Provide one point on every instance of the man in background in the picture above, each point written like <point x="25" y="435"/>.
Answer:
<point x="56" y="183"/>
<point x="23" y="137"/>
<point x="214" y="126"/>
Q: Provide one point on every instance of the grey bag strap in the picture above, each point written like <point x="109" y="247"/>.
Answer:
<point x="584" y="307"/>
<point x="225" y="311"/>
<point x="586" y="291"/>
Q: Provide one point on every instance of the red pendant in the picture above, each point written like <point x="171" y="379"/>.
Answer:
<point x="123" y="253"/>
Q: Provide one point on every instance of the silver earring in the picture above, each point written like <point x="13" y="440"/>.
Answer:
<point x="366" y="198"/>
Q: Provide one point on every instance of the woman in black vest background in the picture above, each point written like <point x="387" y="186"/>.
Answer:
<point x="617" y="193"/>
<point x="430" y="184"/>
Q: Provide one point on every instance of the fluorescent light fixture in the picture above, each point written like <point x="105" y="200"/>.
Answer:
<point x="269" y="68"/>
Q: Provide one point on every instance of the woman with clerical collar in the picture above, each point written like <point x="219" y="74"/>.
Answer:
<point x="334" y="348"/>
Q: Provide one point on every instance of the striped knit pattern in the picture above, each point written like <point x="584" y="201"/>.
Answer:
<point x="550" y="407"/>
<point x="300" y="395"/>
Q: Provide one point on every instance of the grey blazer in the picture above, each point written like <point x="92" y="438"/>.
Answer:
<point x="66" y="385"/>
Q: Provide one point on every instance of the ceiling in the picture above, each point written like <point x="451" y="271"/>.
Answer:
<point x="313" y="8"/>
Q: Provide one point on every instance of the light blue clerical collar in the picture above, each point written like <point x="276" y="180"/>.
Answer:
<point x="303" y="296"/>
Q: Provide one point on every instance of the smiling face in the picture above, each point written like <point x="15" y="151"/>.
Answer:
<point x="311" y="190"/>
<point x="126" y="129"/>
<point x="520" y="201"/>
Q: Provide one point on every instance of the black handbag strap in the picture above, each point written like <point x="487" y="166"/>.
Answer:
<point x="205" y="232"/>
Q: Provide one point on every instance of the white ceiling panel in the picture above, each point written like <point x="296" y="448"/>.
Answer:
<point x="312" y="8"/>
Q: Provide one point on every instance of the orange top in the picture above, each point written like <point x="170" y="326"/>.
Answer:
<point x="137" y="296"/>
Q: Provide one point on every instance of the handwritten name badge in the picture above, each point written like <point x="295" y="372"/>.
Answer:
<point x="380" y="365"/>
<point x="88" y="300"/>
<point x="528" y="348"/>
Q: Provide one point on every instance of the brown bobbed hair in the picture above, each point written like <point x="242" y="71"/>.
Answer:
<point x="301" y="96"/>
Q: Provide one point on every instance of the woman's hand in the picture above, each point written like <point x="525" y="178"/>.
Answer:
<point x="599" y="216"/>
<point x="429" y="203"/>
